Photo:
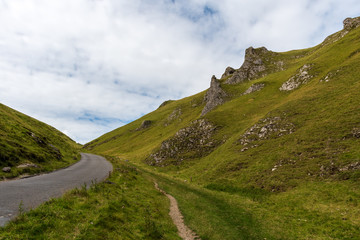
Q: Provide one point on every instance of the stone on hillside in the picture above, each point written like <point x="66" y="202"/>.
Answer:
<point x="6" y="169"/>
<point x="252" y="67"/>
<point x="144" y="124"/>
<point x="195" y="139"/>
<point x="268" y="128"/>
<point x="228" y="72"/>
<point x="356" y="132"/>
<point x="351" y="23"/>
<point x="28" y="165"/>
<point x="301" y="77"/>
<point x="214" y="96"/>
<point x="255" y="87"/>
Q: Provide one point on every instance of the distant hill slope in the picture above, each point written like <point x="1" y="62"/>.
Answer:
<point x="295" y="111"/>
<point x="285" y="124"/>
<point x="28" y="146"/>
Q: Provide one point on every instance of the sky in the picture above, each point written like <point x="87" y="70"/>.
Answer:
<point x="87" y="67"/>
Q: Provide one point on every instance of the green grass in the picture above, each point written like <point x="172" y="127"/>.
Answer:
<point x="129" y="208"/>
<point x="26" y="140"/>
<point x="316" y="210"/>
<point x="288" y="187"/>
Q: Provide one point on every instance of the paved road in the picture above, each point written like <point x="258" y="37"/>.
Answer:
<point x="36" y="190"/>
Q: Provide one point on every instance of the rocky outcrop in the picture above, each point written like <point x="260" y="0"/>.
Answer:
<point x="301" y="77"/>
<point x="268" y="128"/>
<point x="255" y="87"/>
<point x="228" y="71"/>
<point x="145" y="124"/>
<point x="6" y="169"/>
<point x="351" y="23"/>
<point x="252" y="68"/>
<point x="214" y="96"/>
<point x="190" y="142"/>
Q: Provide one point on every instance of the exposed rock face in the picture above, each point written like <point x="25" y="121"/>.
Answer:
<point x="6" y="169"/>
<point x="252" y="68"/>
<point x="301" y="77"/>
<point x="144" y="124"/>
<point x="267" y="128"/>
<point x="190" y="142"/>
<point x="228" y="71"/>
<point x="351" y="23"/>
<point x="214" y="96"/>
<point x="255" y="87"/>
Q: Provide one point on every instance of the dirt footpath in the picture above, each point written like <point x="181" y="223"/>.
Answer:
<point x="178" y="219"/>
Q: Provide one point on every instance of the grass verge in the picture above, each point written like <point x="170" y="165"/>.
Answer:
<point x="127" y="206"/>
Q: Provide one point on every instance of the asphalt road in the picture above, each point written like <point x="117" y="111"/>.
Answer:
<point x="35" y="190"/>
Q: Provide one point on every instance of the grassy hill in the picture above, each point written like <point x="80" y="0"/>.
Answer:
<point x="278" y="154"/>
<point x="29" y="146"/>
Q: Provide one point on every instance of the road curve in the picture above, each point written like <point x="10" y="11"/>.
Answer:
<point x="35" y="190"/>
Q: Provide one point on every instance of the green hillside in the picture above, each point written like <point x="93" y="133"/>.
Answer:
<point x="276" y="153"/>
<point x="28" y="146"/>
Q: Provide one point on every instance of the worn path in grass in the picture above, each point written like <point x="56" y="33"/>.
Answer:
<point x="24" y="194"/>
<point x="178" y="219"/>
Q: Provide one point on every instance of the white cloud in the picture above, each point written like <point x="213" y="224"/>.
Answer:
<point x="88" y="66"/>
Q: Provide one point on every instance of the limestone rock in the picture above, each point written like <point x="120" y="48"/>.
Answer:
<point x="28" y="165"/>
<point x="351" y="23"/>
<point x="195" y="139"/>
<point x="356" y="132"/>
<point x="228" y="71"/>
<point x="144" y="124"/>
<point x="301" y="77"/>
<point x="6" y="169"/>
<point x="268" y="128"/>
<point x="255" y="87"/>
<point x="214" y="96"/>
<point x="252" y="68"/>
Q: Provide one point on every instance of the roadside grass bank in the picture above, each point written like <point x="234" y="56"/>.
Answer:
<point x="126" y="206"/>
<point x="28" y="146"/>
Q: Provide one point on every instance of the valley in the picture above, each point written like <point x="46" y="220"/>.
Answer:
<point x="269" y="151"/>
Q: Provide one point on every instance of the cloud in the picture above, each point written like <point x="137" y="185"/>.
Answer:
<point x="89" y="66"/>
